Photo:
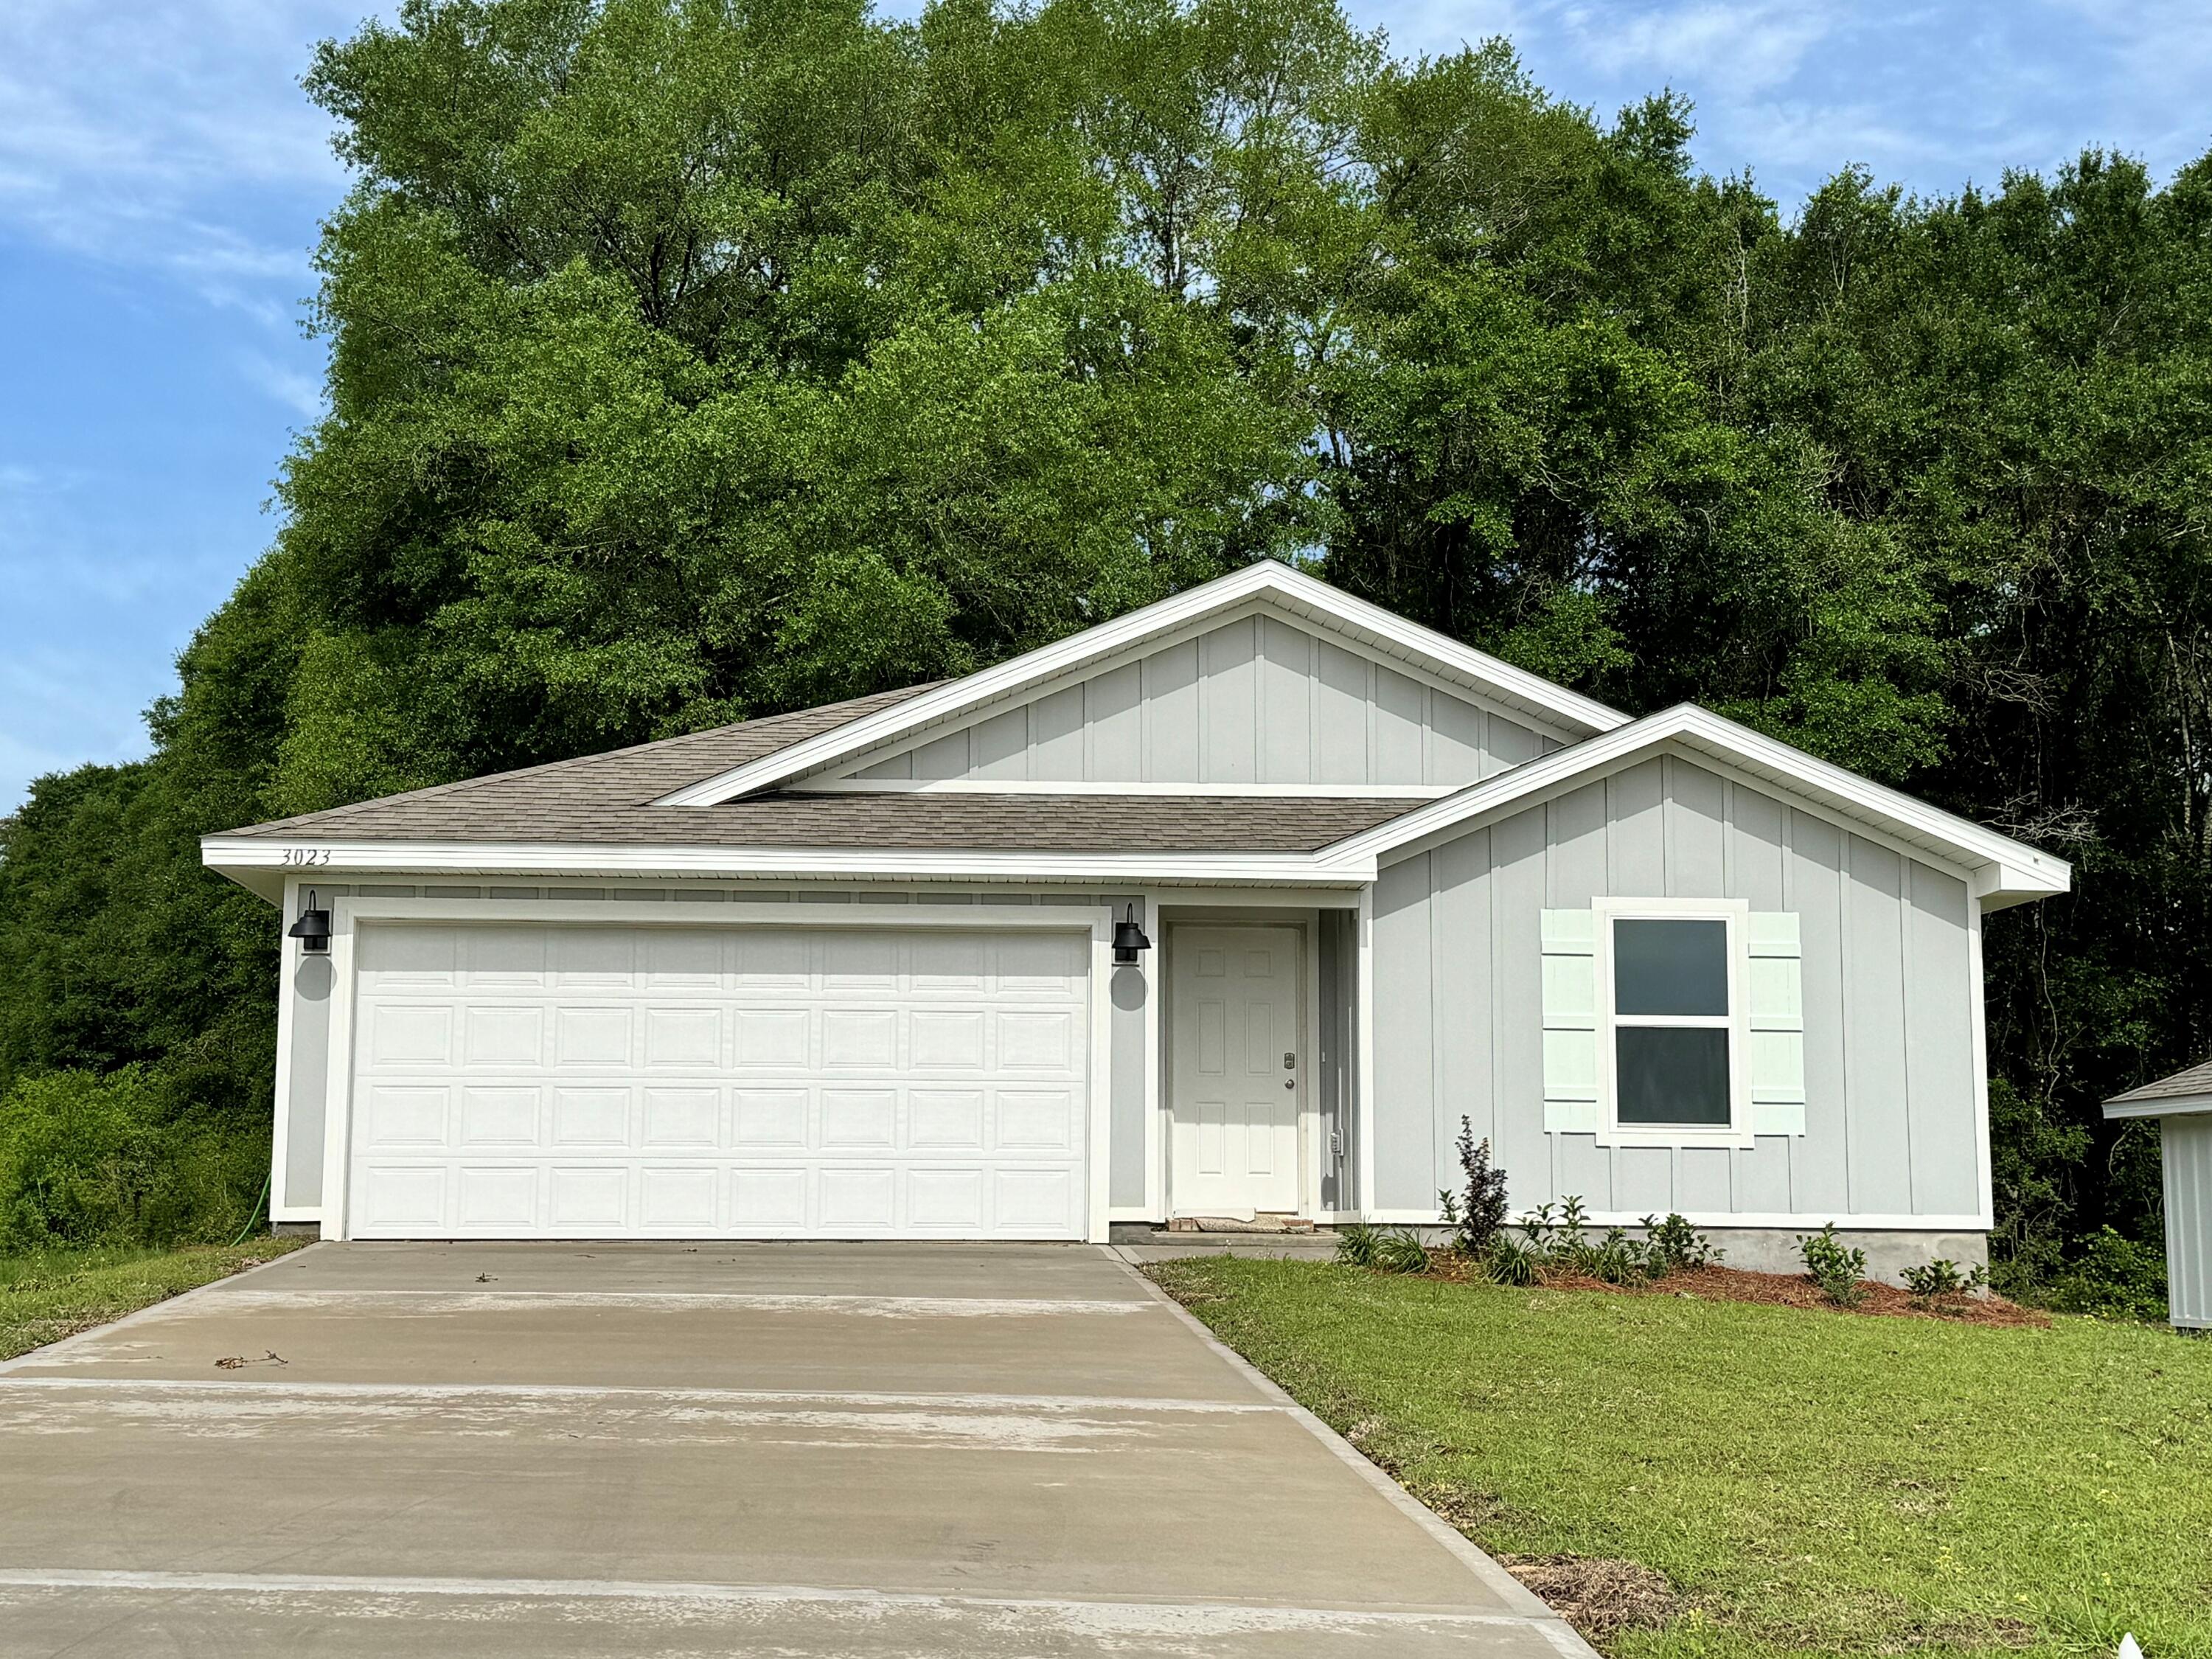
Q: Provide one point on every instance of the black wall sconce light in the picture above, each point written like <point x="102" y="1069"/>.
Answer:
<point x="1128" y="940"/>
<point x="312" y="929"/>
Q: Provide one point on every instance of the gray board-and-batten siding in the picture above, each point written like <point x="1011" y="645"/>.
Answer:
<point x="1254" y="701"/>
<point x="1891" y="1121"/>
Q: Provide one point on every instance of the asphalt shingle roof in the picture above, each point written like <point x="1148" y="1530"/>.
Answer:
<point x="2197" y="1080"/>
<point x="607" y="800"/>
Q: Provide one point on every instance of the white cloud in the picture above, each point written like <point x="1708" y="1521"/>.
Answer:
<point x="1753" y="47"/>
<point x="160" y="133"/>
<point x="299" y="391"/>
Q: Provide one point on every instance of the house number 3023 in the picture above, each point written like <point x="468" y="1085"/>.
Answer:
<point x="299" y="858"/>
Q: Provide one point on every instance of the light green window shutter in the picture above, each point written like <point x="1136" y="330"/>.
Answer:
<point x="1571" y="1021"/>
<point x="1776" y="992"/>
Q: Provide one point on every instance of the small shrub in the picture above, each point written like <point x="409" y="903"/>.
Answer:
<point x="1617" y="1258"/>
<point x="1476" y="1213"/>
<point x="1355" y="1245"/>
<point x="1941" y="1277"/>
<point x="1508" y="1261"/>
<point x="1557" y="1236"/>
<point x="2112" y="1278"/>
<point x="1837" y="1269"/>
<point x="1677" y="1246"/>
<point x="1399" y="1250"/>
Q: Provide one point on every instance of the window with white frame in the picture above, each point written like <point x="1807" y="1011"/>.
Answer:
<point x="1673" y="1022"/>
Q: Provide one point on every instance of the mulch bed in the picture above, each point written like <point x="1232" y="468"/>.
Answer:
<point x="1782" y="1289"/>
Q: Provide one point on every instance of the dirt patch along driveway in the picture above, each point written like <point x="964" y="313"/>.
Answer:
<point x="654" y="1449"/>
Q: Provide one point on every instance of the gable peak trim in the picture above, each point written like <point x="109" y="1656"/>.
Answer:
<point x="1295" y="590"/>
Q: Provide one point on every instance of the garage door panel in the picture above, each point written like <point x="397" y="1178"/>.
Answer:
<point x="683" y="1036"/>
<point x="1036" y="1041"/>
<point x="404" y="1196"/>
<point x="860" y="1118"/>
<point x="591" y="1036"/>
<point x="772" y="1036"/>
<point x="949" y="1120"/>
<point x="500" y="1035"/>
<point x="856" y="1198"/>
<point x="676" y="961"/>
<point x="586" y="958"/>
<point x="679" y="1199"/>
<point x="1035" y="1120"/>
<point x="859" y="1037"/>
<point x="732" y="1081"/>
<point x="768" y="1202"/>
<point x="947" y="1198"/>
<point x="946" y="964"/>
<point x="947" y="1039"/>
<point x="495" y="1198"/>
<point x="682" y="1117"/>
<point x="397" y="958"/>
<point x="400" y="1115"/>
<point x="588" y="1200"/>
<point x="503" y="958"/>
<point x="403" y="1034"/>
<point x="770" y="1117"/>
<point x="1031" y="1198"/>
<point x="502" y="1117"/>
<point x="591" y="1117"/>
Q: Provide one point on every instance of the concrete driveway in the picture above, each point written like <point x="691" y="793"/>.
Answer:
<point x="802" y="1450"/>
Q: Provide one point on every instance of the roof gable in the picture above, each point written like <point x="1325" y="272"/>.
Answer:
<point x="1412" y="657"/>
<point x="2001" y="871"/>
<point x="1253" y="703"/>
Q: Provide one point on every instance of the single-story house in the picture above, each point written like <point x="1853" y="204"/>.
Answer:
<point x="1232" y="906"/>
<point x="2182" y="1104"/>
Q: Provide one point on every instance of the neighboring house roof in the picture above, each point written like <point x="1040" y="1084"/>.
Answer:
<point x="1567" y="715"/>
<point x="2004" y="870"/>
<point x="2183" y="1094"/>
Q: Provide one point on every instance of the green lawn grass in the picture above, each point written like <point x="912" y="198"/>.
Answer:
<point x="1810" y="1482"/>
<point x="53" y="1294"/>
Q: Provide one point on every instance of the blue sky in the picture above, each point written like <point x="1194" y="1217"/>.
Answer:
<point x="161" y="179"/>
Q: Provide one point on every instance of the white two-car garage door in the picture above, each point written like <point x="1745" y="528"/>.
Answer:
<point x="536" y="1081"/>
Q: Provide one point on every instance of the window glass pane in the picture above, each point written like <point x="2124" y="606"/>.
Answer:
<point x="1669" y="967"/>
<point x="1672" y="1073"/>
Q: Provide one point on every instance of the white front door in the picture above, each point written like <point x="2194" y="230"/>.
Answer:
<point x="1239" y="1073"/>
<point x="668" y="1081"/>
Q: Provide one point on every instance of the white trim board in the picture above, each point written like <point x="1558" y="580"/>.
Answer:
<point x="1997" y="868"/>
<point x="257" y="861"/>
<point x="841" y="786"/>
<point x="1529" y="694"/>
<point x="2171" y="1106"/>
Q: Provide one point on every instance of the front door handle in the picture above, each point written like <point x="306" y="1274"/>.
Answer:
<point x="1290" y="1082"/>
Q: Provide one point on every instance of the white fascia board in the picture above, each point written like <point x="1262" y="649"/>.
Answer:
<point x="1126" y="791"/>
<point x="2172" y="1106"/>
<point x="251" y="859"/>
<point x="1267" y="579"/>
<point x="2005" y="871"/>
